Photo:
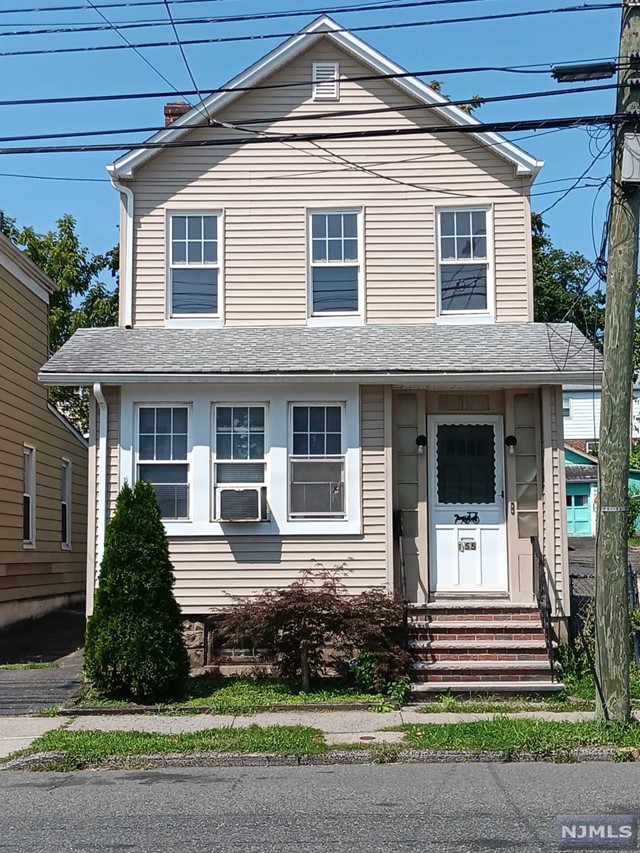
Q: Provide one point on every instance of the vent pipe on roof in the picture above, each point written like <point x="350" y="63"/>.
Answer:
<point x="174" y="110"/>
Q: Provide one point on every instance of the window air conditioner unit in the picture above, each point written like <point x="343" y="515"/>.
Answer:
<point x="241" y="504"/>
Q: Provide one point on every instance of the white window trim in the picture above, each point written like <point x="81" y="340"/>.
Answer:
<point x="329" y="458"/>
<point x="567" y="405"/>
<point x="163" y="404"/>
<point x="215" y="486"/>
<point x="201" y="398"/>
<point x="194" y="321"/>
<point x="30" y="451"/>
<point x="67" y="498"/>
<point x="336" y="318"/>
<point x="467" y="317"/>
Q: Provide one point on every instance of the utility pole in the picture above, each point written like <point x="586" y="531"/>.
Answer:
<point x="612" y="614"/>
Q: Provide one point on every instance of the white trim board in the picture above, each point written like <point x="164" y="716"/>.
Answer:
<point x="68" y="425"/>
<point x="125" y="166"/>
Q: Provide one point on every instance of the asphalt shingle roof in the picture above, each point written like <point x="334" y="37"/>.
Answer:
<point x="384" y="349"/>
<point x="578" y="473"/>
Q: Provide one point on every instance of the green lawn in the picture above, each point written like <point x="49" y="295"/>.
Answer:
<point x="243" y="695"/>
<point x="496" y="705"/>
<point x="84" y="749"/>
<point x="28" y="665"/>
<point x="512" y="736"/>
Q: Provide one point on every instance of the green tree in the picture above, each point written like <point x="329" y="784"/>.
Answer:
<point x="82" y="299"/>
<point x="134" y="645"/>
<point x="560" y="291"/>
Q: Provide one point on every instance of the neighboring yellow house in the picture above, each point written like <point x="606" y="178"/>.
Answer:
<point x="43" y="459"/>
<point x="327" y="352"/>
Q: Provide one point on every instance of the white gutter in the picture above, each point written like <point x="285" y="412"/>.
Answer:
<point x="101" y="503"/>
<point x="128" y="255"/>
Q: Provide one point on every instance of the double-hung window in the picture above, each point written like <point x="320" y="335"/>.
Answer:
<point x="334" y="262"/>
<point x="317" y="461"/>
<point x="28" y="496"/>
<point x="65" y="504"/>
<point x="194" y="265"/>
<point x="464" y="262"/>
<point x="163" y="454"/>
<point x="240" y="465"/>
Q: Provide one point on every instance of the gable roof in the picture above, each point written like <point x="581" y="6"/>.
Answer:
<point x="324" y="26"/>
<point x="16" y="262"/>
<point x="585" y="458"/>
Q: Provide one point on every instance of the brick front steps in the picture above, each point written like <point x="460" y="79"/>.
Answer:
<point x="478" y="646"/>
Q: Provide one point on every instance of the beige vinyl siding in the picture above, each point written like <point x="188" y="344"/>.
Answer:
<point x="554" y="509"/>
<point x="112" y="397"/>
<point x="265" y="189"/>
<point x="211" y="571"/>
<point x="46" y="570"/>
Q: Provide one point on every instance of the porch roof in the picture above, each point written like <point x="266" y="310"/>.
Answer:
<point x="546" y="353"/>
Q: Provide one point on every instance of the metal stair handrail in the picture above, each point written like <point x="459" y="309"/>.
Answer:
<point x="543" y="598"/>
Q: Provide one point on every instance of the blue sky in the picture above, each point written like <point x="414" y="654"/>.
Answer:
<point x="534" y="40"/>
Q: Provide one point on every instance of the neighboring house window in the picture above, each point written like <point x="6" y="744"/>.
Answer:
<point x="463" y="261"/>
<point x="194" y="265"/>
<point x="326" y="81"/>
<point x="65" y="503"/>
<point x="592" y="447"/>
<point x="29" y="496"/>
<point x="566" y="406"/>
<point x="335" y="262"/>
<point x="239" y="477"/>
<point x="316" y="462"/>
<point x="163" y="453"/>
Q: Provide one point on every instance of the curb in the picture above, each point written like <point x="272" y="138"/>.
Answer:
<point x="127" y="710"/>
<point x="56" y="760"/>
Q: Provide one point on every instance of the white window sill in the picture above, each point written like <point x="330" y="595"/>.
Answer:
<point x="193" y="322"/>
<point x="66" y="547"/>
<point x="29" y="546"/>
<point x="336" y="320"/>
<point x="465" y="319"/>
<point x="303" y="527"/>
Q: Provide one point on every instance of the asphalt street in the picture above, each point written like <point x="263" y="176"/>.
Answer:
<point x="428" y="808"/>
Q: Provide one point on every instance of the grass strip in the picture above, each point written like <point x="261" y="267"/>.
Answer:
<point x="495" y="705"/>
<point x="82" y="749"/>
<point x="243" y="695"/>
<point x="28" y="665"/>
<point x="511" y="736"/>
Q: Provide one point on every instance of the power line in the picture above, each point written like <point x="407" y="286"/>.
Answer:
<point x="488" y="127"/>
<point x="381" y="5"/>
<point x="186" y="62"/>
<point x="367" y="28"/>
<point x="130" y="4"/>
<point x="539" y="68"/>
<point x="333" y="114"/>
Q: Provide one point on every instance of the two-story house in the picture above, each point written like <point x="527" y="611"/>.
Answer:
<point x="327" y="352"/>
<point x="581" y="414"/>
<point x="43" y="459"/>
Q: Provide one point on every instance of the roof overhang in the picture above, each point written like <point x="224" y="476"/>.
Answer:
<point x="14" y="260"/>
<point x="406" y="380"/>
<point x="125" y="166"/>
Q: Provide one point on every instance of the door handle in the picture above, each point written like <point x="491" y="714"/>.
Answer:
<point x="512" y="507"/>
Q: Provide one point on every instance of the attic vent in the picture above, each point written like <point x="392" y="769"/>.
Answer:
<point x="326" y="82"/>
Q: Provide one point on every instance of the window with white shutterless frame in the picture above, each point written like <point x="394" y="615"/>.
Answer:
<point x="29" y="496"/>
<point x="317" y="481"/>
<point x="240" y="453"/>
<point x="65" y="504"/>
<point x="465" y="266"/>
<point x="194" y="267"/>
<point x="335" y="274"/>
<point x="163" y="455"/>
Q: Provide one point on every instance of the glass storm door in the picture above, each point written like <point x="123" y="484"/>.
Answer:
<point x="467" y="530"/>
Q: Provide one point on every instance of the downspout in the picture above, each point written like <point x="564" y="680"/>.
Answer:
<point x="101" y="504"/>
<point x="127" y="192"/>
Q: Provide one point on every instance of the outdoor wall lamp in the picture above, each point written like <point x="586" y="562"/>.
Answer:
<point x="511" y="441"/>
<point x="421" y="443"/>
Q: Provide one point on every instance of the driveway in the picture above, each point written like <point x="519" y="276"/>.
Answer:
<point x="57" y="638"/>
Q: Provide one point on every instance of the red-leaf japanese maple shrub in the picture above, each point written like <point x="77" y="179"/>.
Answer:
<point x="134" y="646"/>
<point x="300" y="624"/>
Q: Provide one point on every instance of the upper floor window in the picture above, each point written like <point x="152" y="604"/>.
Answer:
<point x="194" y="265"/>
<point x="566" y="406"/>
<point x="65" y="504"/>
<point x="29" y="496"/>
<point x="335" y="264"/>
<point x="464" y="263"/>
<point x="163" y="456"/>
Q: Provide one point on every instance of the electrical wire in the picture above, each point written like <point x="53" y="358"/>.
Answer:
<point x="241" y="124"/>
<point x="366" y="28"/>
<point x="201" y="105"/>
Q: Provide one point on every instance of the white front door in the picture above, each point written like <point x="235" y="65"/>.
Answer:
<point x="467" y="529"/>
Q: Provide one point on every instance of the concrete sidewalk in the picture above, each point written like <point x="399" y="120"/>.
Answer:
<point x="337" y="726"/>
